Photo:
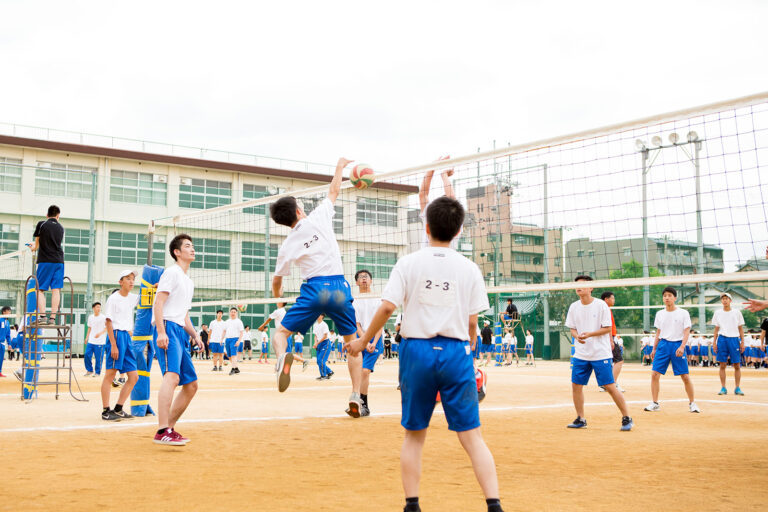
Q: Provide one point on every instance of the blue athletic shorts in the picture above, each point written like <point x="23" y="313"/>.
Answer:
<point x="529" y="349"/>
<point x="264" y="347"/>
<point x="370" y="358"/>
<point x="486" y="347"/>
<point x="289" y="346"/>
<point x="582" y="370"/>
<point x="438" y="364"/>
<point x="298" y="348"/>
<point x="395" y="347"/>
<point x="50" y="276"/>
<point x="665" y="353"/>
<point x="695" y="351"/>
<point x="647" y="350"/>
<point x="728" y="347"/>
<point x="704" y="351"/>
<point x="126" y="361"/>
<point x="328" y="295"/>
<point x="176" y="357"/>
<point x="231" y="345"/>
<point x="216" y="348"/>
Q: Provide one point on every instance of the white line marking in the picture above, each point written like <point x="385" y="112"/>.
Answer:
<point x="439" y="412"/>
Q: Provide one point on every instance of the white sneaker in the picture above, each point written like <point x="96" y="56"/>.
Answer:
<point x="283" y="367"/>
<point x="600" y="388"/>
<point x="355" y="405"/>
<point x="88" y="374"/>
<point x="620" y="388"/>
<point x="652" y="407"/>
<point x="693" y="407"/>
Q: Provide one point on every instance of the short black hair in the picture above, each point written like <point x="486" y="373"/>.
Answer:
<point x="283" y="211"/>
<point x="233" y="307"/>
<point x="445" y="216"/>
<point x="247" y="327"/>
<point x="95" y="304"/>
<point x="583" y="277"/>
<point x="363" y="271"/>
<point x="53" y="210"/>
<point x="606" y="295"/>
<point x="4" y="309"/>
<point x="509" y="300"/>
<point x="646" y="332"/>
<point x="176" y="243"/>
<point x="670" y="290"/>
<point x="219" y="311"/>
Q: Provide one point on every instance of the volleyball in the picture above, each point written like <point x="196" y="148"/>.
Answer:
<point x="362" y="176"/>
<point x="242" y="307"/>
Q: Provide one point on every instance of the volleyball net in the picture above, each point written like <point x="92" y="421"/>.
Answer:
<point x="674" y="199"/>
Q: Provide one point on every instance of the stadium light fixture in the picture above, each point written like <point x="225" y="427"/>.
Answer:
<point x="693" y="136"/>
<point x="656" y="141"/>
<point x="640" y="145"/>
<point x="673" y="138"/>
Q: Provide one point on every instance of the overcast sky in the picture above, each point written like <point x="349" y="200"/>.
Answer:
<point x="392" y="83"/>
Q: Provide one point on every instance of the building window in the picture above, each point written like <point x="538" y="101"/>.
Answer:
<point x="211" y="253"/>
<point x="377" y="211"/>
<point x="54" y="179"/>
<point x="579" y="253"/>
<point x="537" y="260"/>
<point x="379" y="263"/>
<point x="10" y="174"/>
<point x="627" y="251"/>
<point x="9" y="238"/>
<point x="338" y="218"/>
<point x="202" y="194"/>
<point x="591" y="254"/>
<point x="255" y="192"/>
<point x="76" y="245"/>
<point x="253" y="257"/>
<point x="138" y="187"/>
<point x="78" y="303"/>
<point x="522" y="258"/>
<point x="522" y="240"/>
<point x="557" y="262"/>
<point x="131" y="249"/>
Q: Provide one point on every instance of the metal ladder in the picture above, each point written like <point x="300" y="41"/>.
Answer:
<point x="58" y="334"/>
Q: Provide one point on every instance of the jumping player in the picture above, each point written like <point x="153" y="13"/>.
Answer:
<point x="173" y="329"/>
<point x="119" y="322"/>
<point x="442" y="294"/>
<point x="673" y="326"/>
<point x="590" y="322"/>
<point x="312" y="246"/>
<point x="217" y="331"/>
<point x="729" y="341"/>
<point x="365" y="308"/>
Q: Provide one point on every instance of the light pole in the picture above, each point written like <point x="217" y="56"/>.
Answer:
<point x="674" y="139"/>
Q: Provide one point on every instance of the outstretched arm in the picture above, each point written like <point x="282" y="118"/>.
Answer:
<point x="333" y="191"/>
<point x="447" y="185"/>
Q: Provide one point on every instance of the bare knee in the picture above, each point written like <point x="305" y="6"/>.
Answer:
<point x="191" y="387"/>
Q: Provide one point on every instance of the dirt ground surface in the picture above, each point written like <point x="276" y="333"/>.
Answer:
<point x="253" y="448"/>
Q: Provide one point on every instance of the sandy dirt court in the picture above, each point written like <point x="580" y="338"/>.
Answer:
<point x="253" y="448"/>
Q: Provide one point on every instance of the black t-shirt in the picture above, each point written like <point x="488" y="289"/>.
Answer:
<point x="764" y="325"/>
<point x="51" y="234"/>
<point x="511" y="310"/>
<point x="487" y="335"/>
<point x="204" y="336"/>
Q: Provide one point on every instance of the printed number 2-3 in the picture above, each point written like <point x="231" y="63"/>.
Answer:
<point x="314" y="239"/>
<point x="445" y="286"/>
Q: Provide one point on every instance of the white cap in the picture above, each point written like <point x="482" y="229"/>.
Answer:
<point x="487" y="322"/>
<point x="127" y="272"/>
<point x="726" y="294"/>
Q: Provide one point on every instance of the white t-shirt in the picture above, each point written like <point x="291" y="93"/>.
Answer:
<point x="98" y="325"/>
<point x="589" y="318"/>
<point x="264" y="337"/>
<point x="439" y="290"/>
<point x="278" y="315"/>
<point x="298" y="338"/>
<point x="320" y="330"/>
<point x="119" y="309"/>
<point x="365" y="309"/>
<point x="333" y="337"/>
<point x="312" y="245"/>
<point x="247" y="336"/>
<point x="692" y="341"/>
<point x="180" y="288"/>
<point x="619" y="341"/>
<point x="672" y="324"/>
<point x="217" y="329"/>
<point x="425" y="238"/>
<point x="645" y="341"/>
<point x="529" y="339"/>
<point x="508" y="339"/>
<point x="728" y="322"/>
<point x="233" y="327"/>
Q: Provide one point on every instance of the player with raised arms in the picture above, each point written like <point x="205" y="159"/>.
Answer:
<point x="311" y="245"/>
<point x="442" y="293"/>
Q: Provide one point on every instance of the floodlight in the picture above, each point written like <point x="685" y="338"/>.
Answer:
<point x="640" y="145"/>
<point x="693" y="136"/>
<point x="673" y="138"/>
<point x="656" y="140"/>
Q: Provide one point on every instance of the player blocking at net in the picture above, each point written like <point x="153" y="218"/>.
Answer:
<point x="442" y="293"/>
<point x="311" y="245"/>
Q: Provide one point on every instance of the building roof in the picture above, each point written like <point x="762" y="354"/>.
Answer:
<point x="757" y="264"/>
<point x="184" y="161"/>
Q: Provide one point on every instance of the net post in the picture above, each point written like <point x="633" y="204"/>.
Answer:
<point x="547" y="350"/>
<point x="646" y="289"/>
<point x="150" y="240"/>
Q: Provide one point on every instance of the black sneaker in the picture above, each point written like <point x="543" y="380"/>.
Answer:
<point x="320" y="378"/>
<point x="364" y="411"/>
<point x="215" y="369"/>
<point x="110" y="416"/>
<point x="626" y="424"/>
<point x="579" y="422"/>
<point x="237" y="370"/>
<point x="123" y="415"/>
<point x="232" y="371"/>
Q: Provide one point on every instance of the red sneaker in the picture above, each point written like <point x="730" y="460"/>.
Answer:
<point x="170" y="437"/>
<point x="181" y="438"/>
<point x="1" y="375"/>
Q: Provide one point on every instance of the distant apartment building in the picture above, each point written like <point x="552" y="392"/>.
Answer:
<point x="671" y="257"/>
